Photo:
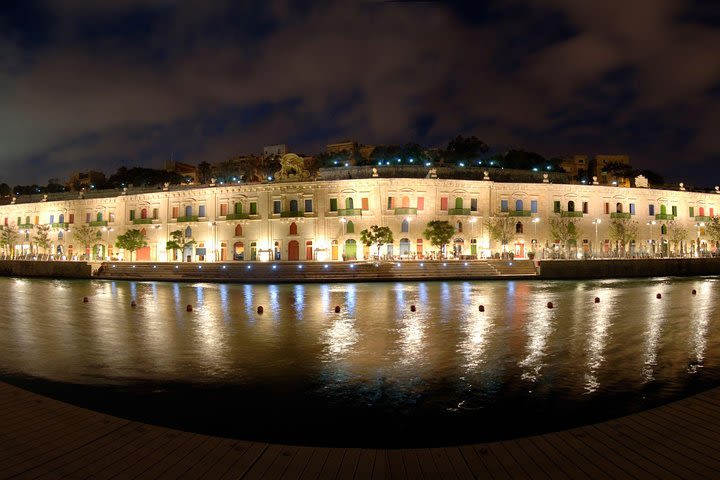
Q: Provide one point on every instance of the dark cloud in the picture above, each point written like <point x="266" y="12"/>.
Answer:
<point x="88" y="84"/>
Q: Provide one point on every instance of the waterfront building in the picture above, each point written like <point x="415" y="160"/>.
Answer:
<point x="301" y="219"/>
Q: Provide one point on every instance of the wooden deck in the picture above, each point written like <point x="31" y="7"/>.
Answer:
<point x="45" y="438"/>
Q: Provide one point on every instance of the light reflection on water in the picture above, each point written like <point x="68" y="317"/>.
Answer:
<point x="447" y="356"/>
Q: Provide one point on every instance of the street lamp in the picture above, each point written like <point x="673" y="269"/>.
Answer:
<point x="652" y="245"/>
<point x="107" y="241"/>
<point x="535" y="222"/>
<point x="698" y="225"/>
<point x="596" y="222"/>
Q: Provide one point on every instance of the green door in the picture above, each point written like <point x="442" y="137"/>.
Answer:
<point x="350" y="250"/>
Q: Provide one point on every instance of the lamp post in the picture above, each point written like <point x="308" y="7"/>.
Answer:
<point x="535" y="222"/>
<point x="698" y="225"/>
<point x="596" y="222"/>
<point x="107" y="241"/>
<point x="650" y="241"/>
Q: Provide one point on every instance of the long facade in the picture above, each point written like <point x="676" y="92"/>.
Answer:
<point x="322" y="220"/>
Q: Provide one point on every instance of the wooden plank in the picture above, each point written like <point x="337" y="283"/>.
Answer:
<point x="250" y="453"/>
<point x="510" y="464"/>
<point x="411" y="463"/>
<point x="396" y="467"/>
<point x="584" y="457"/>
<point x="193" y="457"/>
<point x="549" y="468"/>
<point x="457" y="461"/>
<point x="475" y="466"/>
<point x="571" y="467"/>
<point x="315" y="464"/>
<point x="213" y="458"/>
<point x="191" y="443"/>
<point x="272" y="462"/>
<point x="298" y="463"/>
<point x="349" y="463"/>
<point x="154" y="458"/>
<point x="619" y="446"/>
<point x="428" y="468"/>
<point x="365" y="464"/>
<point x="332" y="464"/>
<point x="381" y="466"/>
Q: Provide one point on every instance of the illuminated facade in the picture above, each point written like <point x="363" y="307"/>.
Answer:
<point x="322" y="220"/>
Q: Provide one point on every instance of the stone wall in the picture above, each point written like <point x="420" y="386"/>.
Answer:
<point x="30" y="268"/>
<point x="579" y="269"/>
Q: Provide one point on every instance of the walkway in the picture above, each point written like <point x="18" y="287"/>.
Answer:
<point x="45" y="438"/>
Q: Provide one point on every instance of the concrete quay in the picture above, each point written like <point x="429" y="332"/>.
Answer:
<point x="41" y="438"/>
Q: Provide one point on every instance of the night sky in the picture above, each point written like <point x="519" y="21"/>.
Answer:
<point x="101" y="83"/>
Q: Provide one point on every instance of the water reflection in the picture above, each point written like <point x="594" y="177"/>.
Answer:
<point x="539" y="328"/>
<point x="600" y="323"/>
<point x="702" y="308"/>
<point x="655" y="318"/>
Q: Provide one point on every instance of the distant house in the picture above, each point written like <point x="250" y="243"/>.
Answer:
<point x="85" y="180"/>
<point x="184" y="169"/>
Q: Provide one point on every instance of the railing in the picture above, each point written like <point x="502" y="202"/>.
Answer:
<point x="98" y="223"/>
<point x="292" y="214"/>
<point x="406" y="211"/>
<point x="350" y="212"/>
<point x="519" y="213"/>
<point x="188" y="218"/>
<point x="571" y="214"/>
<point x="237" y="216"/>
<point x="703" y="218"/>
<point x="459" y="211"/>
<point x="664" y="216"/>
<point x="142" y="221"/>
<point x="26" y="226"/>
<point x="63" y="225"/>
<point x="620" y="215"/>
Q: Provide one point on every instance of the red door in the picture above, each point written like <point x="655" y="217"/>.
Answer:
<point x="293" y="250"/>
<point x="142" y="254"/>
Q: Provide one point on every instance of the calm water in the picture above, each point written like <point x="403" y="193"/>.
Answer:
<point x="375" y="374"/>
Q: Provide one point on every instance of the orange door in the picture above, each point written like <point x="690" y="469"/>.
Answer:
<point x="293" y="250"/>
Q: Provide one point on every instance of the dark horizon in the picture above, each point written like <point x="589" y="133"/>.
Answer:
<point x="135" y="82"/>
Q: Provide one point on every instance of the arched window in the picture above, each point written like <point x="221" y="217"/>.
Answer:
<point x="143" y="232"/>
<point x="618" y="207"/>
<point x="62" y="218"/>
<point x="349" y="203"/>
<point x="663" y="209"/>
<point x="519" y="205"/>
<point x="405" y="202"/>
<point x="238" y="230"/>
<point x="571" y="206"/>
<point x="27" y="220"/>
<point x="458" y="202"/>
<point x="293" y="228"/>
<point x="238" y="207"/>
<point x="60" y="235"/>
<point x="99" y="217"/>
<point x="405" y="227"/>
<point x="188" y="232"/>
<point x="519" y="227"/>
<point x="143" y="213"/>
<point x="350" y="227"/>
<point x="188" y="211"/>
<point x="293" y="205"/>
<point x="702" y="211"/>
<point x="459" y="227"/>
<point x="663" y="229"/>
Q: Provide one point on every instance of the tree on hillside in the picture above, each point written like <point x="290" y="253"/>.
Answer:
<point x="464" y="149"/>
<point x="131" y="240"/>
<point x="42" y="237"/>
<point x="623" y="231"/>
<point x="8" y="239"/>
<point x="378" y="236"/>
<point x="439" y="232"/>
<point x="501" y="228"/>
<point x="86" y="236"/>
<point x="178" y="242"/>
<point x="564" y="230"/>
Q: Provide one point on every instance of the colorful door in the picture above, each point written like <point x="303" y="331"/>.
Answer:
<point x="142" y="254"/>
<point x="520" y="250"/>
<point x="334" y="250"/>
<point x="308" y="250"/>
<point x="293" y="250"/>
<point x="350" y="250"/>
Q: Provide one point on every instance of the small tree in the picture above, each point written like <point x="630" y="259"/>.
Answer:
<point x="87" y="237"/>
<point x="712" y="229"/>
<point x="623" y="230"/>
<point x="376" y="236"/>
<point x="8" y="237"/>
<point x="565" y="230"/>
<point x="131" y="241"/>
<point x="501" y="229"/>
<point x="178" y="242"/>
<point x="677" y="234"/>
<point x="439" y="232"/>
<point x="42" y="237"/>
